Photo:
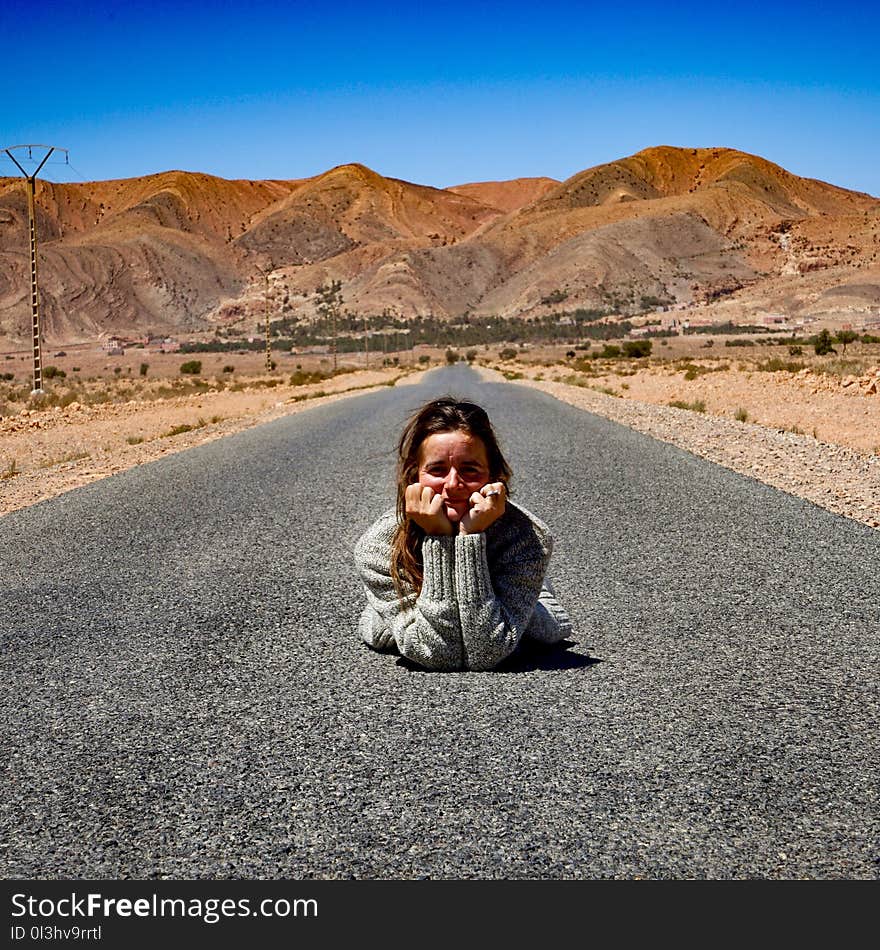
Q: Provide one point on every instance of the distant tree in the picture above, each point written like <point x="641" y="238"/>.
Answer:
<point x="823" y="344"/>
<point x="192" y="367"/>
<point x="451" y="357"/>
<point x="846" y="336"/>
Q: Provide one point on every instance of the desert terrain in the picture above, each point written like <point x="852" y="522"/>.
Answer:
<point x="718" y="232"/>
<point x="680" y="238"/>
<point x="809" y="425"/>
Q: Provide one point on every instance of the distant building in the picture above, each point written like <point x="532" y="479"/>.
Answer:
<point x="113" y="346"/>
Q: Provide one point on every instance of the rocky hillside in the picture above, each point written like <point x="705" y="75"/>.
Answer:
<point x="179" y="252"/>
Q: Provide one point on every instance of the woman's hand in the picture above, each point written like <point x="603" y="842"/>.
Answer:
<point x="426" y="508"/>
<point x="487" y="506"/>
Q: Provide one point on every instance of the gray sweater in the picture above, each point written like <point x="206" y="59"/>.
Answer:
<point x="481" y="593"/>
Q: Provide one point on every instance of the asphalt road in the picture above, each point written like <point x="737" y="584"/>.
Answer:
<point x="184" y="694"/>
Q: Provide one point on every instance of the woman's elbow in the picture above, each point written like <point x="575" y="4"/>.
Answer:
<point x="434" y="654"/>
<point x="485" y="653"/>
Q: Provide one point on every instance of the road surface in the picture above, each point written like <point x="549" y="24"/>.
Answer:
<point x="184" y="695"/>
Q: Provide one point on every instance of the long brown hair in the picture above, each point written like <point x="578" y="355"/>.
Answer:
<point x="446" y="414"/>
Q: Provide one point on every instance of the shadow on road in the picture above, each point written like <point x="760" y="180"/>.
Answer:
<point x="529" y="656"/>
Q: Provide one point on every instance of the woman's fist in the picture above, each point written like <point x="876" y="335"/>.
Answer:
<point x="486" y="507"/>
<point x="425" y="508"/>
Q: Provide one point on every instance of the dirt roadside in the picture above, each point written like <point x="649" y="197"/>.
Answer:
<point x="47" y="452"/>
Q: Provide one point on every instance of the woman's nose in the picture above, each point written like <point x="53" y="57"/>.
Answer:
<point x="452" y="479"/>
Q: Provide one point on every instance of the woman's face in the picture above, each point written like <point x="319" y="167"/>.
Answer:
<point x="455" y="465"/>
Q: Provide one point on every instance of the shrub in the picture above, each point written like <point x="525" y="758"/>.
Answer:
<point x="303" y="378"/>
<point x="776" y="365"/>
<point x="741" y="415"/>
<point x="840" y="367"/>
<point x="179" y="430"/>
<point x="795" y="350"/>
<point x="610" y="351"/>
<point x="570" y="354"/>
<point x="470" y="356"/>
<point x="7" y="377"/>
<point x="228" y="369"/>
<point x="192" y="367"/>
<point x="508" y="353"/>
<point x="637" y="349"/>
<point x="52" y="372"/>
<point x="697" y="406"/>
<point x="451" y="357"/>
<point x="143" y="368"/>
<point x="424" y="358"/>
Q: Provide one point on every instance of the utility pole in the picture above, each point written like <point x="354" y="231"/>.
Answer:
<point x="330" y="301"/>
<point x="366" y="342"/>
<point x="32" y="231"/>
<point x="268" y="339"/>
<point x="266" y="306"/>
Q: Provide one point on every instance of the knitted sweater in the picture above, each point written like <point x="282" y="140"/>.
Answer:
<point x="481" y="593"/>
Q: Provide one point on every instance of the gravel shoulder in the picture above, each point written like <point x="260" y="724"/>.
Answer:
<point x="837" y="477"/>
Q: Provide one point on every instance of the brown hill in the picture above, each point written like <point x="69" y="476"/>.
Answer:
<point x="683" y="225"/>
<point x="180" y="251"/>
<point x="506" y="195"/>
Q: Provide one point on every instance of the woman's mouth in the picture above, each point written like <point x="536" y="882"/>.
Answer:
<point x="455" y="510"/>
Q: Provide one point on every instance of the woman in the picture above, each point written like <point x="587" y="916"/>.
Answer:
<point x="454" y="576"/>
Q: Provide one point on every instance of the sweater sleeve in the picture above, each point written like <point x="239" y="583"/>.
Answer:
<point x="426" y="628"/>
<point x="495" y="609"/>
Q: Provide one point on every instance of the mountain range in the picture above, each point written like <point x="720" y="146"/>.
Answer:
<point x="713" y="229"/>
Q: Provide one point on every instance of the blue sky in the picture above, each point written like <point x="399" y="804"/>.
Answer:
<point x="438" y="94"/>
